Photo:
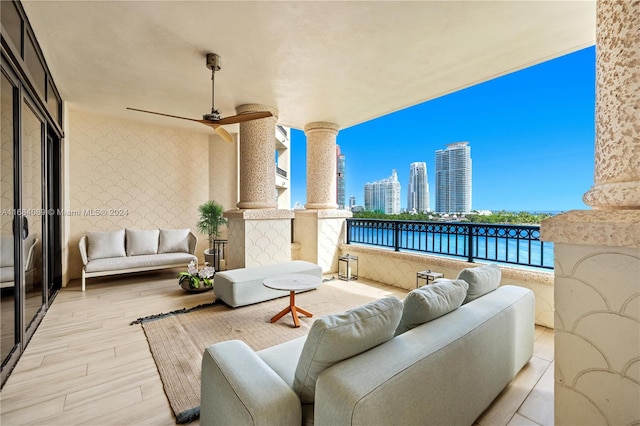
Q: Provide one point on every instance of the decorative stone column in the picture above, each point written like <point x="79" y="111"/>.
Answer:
<point x="258" y="233"/>
<point x="597" y="252"/>
<point x="257" y="164"/>
<point x="320" y="228"/>
<point x="321" y="165"/>
<point x="617" y="164"/>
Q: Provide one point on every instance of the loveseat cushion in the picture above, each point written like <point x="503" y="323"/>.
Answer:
<point x="142" y="242"/>
<point x="482" y="280"/>
<point x="101" y="245"/>
<point x="340" y="336"/>
<point x="174" y="241"/>
<point x="430" y="302"/>
<point x="139" y="262"/>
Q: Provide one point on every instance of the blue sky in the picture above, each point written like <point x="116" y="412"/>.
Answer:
<point x="531" y="133"/>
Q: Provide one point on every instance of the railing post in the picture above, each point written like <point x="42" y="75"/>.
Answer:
<point x="470" y="243"/>
<point x="348" y="231"/>
<point x="397" y="235"/>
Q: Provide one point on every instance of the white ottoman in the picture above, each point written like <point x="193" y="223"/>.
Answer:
<point x="239" y="287"/>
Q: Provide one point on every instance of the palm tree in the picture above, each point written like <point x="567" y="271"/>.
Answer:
<point x="210" y="220"/>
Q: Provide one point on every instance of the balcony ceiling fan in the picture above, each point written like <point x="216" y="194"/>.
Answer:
<point x="213" y="119"/>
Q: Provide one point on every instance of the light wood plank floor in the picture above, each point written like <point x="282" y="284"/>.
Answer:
<point x="86" y="365"/>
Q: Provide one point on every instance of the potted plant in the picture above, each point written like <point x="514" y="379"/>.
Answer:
<point x="210" y="221"/>
<point x="195" y="280"/>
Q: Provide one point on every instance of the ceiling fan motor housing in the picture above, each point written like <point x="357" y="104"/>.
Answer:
<point x="214" y="62"/>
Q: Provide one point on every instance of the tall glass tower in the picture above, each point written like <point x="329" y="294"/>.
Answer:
<point x="453" y="178"/>
<point x="383" y="195"/>
<point x="418" y="190"/>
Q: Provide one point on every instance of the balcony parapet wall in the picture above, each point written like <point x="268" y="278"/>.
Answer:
<point x="399" y="269"/>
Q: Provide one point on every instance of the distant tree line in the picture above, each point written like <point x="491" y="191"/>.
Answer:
<point x="501" y="216"/>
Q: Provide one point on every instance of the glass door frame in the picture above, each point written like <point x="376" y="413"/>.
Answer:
<point x="25" y="327"/>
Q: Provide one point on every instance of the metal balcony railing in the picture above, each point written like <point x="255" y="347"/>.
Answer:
<point x="513" y="244"/>
<point x="281" y="172"/>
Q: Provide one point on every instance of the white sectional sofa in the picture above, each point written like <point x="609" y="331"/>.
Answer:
<point x="239" y="287"/>
<point x="128" y="250"/>
<point x="427" y="360"/>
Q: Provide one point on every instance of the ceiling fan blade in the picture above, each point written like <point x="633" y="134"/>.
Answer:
<point x="166" y="115"/>
<point x="241" y="118"/>
<point x="214" y="125"/>
<point x="223" y="133"/>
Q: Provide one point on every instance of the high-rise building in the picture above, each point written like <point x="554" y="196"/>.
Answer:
<point x="383" y="195"/>
<point x="418" y="190"/>
<point x="352" y="202"/>
<point x="453" y="178"/>
<point x="340" y="179"/>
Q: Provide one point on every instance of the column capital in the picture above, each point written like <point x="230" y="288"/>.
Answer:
<point x="323" y="126"/>
<point x="244" y="108"/>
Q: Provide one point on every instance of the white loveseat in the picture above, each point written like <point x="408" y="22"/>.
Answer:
<point x="7" y="270"/>
<point x="128" y="250"/>
<point x="380" y="364"/>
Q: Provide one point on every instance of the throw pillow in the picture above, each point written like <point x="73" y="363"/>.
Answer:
<point x="340" y="336"/>
<point x="174" y="241"/>
<point x="481" y="280"/>
<point x="142" y="242"/>
<point x="101" y="245"/>
<point x="430" y="302"/>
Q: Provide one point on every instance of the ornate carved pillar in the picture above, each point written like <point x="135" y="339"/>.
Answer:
<point x="257" y="165"/>
<point x="321" y="165"/>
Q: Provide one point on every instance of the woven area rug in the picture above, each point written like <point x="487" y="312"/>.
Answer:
<point x="178" y="340"/>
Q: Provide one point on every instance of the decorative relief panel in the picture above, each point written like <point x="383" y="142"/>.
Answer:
<point x="267" y="241"/>
<point x="331" y="233"/>
<point x="129" y="175"/>
<point x="597" y="339"/>
<point x="235" y="249"/>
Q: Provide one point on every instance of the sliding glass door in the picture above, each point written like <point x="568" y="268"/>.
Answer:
<point x="33" y="211"/>
<point x="9" y="337"/>
<point x="30" y="185"/>
<point x="30" y="242"/>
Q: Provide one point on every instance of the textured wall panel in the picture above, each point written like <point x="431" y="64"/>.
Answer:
<point x="331" y="233"/>
<point x="597" y="340"/>
<point x="267" y="241"/>
<point x="131" y="175"/>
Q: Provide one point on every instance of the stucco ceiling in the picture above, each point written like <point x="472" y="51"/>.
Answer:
<point x="343" y="62"/>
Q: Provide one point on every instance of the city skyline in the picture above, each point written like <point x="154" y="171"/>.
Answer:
<point x="533" y="134"/>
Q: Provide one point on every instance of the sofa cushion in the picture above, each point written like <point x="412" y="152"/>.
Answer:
<point x="101" y="245"/>
<point x="340" y="336"/>
<point x="142" y="242"/>
<point x="174" y="241"/>
<point x="430" y="302"/>
<point x="140" y="262"/>
<point x="481" y="280"/>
